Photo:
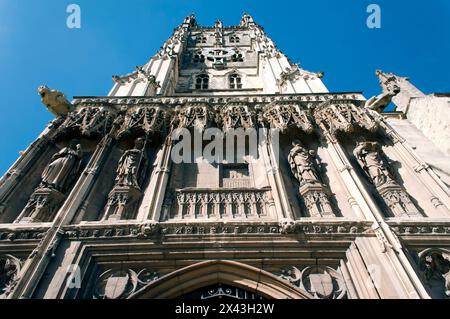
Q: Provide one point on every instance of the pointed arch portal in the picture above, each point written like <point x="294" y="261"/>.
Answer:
<point x="220" y="273"/>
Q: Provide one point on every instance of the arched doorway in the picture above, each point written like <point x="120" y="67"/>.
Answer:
<point x="192" y="280"/>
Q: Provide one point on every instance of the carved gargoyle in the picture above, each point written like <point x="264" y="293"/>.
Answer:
<point x="55" y="101"/>
<point x="380" y="102"/>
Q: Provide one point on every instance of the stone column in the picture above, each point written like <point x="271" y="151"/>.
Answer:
<point x="282" y="207"/>
<point x="156" y="190"/>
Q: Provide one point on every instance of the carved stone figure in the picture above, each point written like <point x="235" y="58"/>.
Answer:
<point x="246" y="20"/>
<point x="302" y="163"/>
<point x="130" y="171"/>
<point x="379" y="103"/>
<point x="287" y="226"/>
<point x="9" y="271"/>
<point x="435" y="271"/>
<point x="55" y="101"/>
<point x="57" y="177"/>
<point x="130" y="164"/>
<point x="64" y="166"/>
<point x="369" y="157"/>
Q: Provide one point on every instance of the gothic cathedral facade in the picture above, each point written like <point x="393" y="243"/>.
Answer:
<point x="329" y="198"/>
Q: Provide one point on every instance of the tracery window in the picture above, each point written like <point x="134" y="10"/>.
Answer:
<point x="202" y="82"/>
<point x="234" y="39"/>
<point x="201" y="39"/>
<point x="237" y="57"/>
<point x="235" y="81"/>
<point x="198" y="57"/>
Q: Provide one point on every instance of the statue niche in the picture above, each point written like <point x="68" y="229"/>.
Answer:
<point x="56" y="180"/>
<point x="304" y="167"/>
<point x="372" y="160"/>
<point x="369" y="157"/>
<point x="62" y="168"/>
<point x="127" y="188"/>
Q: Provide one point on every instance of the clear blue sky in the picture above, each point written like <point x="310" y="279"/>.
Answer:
<point x="37" y="48"/>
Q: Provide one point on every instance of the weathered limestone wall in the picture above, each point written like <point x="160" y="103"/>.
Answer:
<point x="431" y="115"/>
<point x="432" y="154"/>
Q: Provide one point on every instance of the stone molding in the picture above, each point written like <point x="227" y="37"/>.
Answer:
<point x="215" y="228"/>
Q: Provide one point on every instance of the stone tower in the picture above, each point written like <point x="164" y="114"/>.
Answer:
<point x="321" y="199"/>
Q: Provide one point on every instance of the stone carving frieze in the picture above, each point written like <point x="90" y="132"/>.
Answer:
<point x="147" y="119"/>
<point x="322" y="282"/>
<point x="21" y="234"/>
<point x="198" y="116"/>
<point x="150" y="229"/>
<point x="119" y="284"/>
<point x="236" y="116"/>
<point x="9" y="274"/>
<point x="318" y="99"/>
<point x="421" y="229"/>
<point x="341" y="116"/>
<point x="283" y="116"/>
<point x="88" y="121"/>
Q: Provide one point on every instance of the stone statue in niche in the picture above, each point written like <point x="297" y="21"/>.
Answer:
<point x="303" y="164"/>
<point x="130" y="164"/>
<point x="127" y="189"/>
<point x="57" y="178"/>
<point x="64" y="166"/>
<point x="370" y="158"/>
<point x="304" y="167"/>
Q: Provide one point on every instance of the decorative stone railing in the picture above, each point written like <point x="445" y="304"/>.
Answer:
<point x="242" y="203"/>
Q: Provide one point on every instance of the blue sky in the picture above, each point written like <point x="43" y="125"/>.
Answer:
<point x="37" y="48"/>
